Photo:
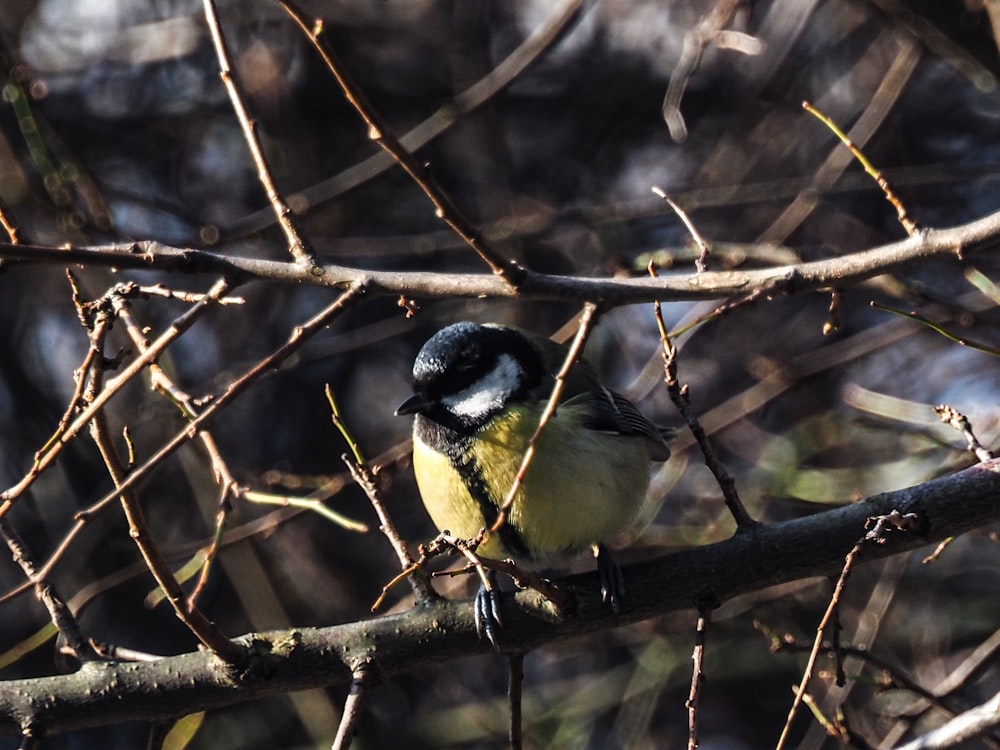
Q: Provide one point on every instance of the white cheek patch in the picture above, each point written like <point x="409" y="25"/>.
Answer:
<point x="488" y="394"/>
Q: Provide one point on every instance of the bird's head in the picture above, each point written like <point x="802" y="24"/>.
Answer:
<point x="467" y="373"/>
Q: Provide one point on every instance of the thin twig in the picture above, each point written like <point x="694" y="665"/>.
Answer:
<point x="587" y="320"/>
<point x="692" y="230"/>
<point x="298" y="246"/>
<point x="60" y="614"/>
<point x="679" y="397"/>
<point x="299" y="335"/>
<point x="800" y="691"/>
<point x="877" y="528"/>
<point x="159" y="290"/>
<point x="829" y="725"/>
<point x="937" y="328"/>
<point x="365" y="476"/>
<point x="357" y="697"/>
<point x="75" y="404"/>
<point x="160" y="381"/>
<point x="515" y="695"/>
<point x="378" y="131"/>
<point x="338" y="421"/>
<point x="697" y="675"/>
<point x="953" y="417"/>
<point x="725" y="308"/>
<point x="909" y="224"/>
<point x="880" y="103"/>
<point x="466" y="548"/>
<point x="202" y="628"/>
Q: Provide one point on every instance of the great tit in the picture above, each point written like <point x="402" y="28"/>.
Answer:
<point x="479" y="391"/>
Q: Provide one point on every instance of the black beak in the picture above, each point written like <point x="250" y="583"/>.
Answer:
<point x="415" y="404"/>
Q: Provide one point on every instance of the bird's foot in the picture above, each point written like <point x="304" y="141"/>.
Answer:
<point x="610" y="576"/>
<point x="488" y="616"/>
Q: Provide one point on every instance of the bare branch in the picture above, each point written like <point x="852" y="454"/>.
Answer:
<point x="357" y="696"/>
<point x="911" y="226"/>
<point x="588" y="318"/>
<point x="299" y="335"/>
<point x="697" y="675"/>
<point x="186" y="612"/>
<point x="60" y="614"/>
<point x="179" y="326"/>
<point x="310" y="657"/>
<point x="680" y="397"/>
<point x="450" y="112"/>
<point x="842" y="271"/>
<point x="297" y="246"/>
<point x="379" y="131"/>
<point x="964" y="728"/>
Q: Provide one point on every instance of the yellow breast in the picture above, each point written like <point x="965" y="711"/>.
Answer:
<point x="583" y="487"/>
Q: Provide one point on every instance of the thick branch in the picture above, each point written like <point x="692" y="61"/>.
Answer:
<point x="281" y="661"/>
<point x="791" y="279"/>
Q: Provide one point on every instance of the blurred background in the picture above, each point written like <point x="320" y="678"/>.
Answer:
<point x="114" y="126"/>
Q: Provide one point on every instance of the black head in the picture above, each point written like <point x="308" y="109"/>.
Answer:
<point x="468" y="372"/>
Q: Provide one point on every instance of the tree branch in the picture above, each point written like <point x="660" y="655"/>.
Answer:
<point x="281" y="661"/>
<point x="974" y="723"/>
<point x="789" y="279"/>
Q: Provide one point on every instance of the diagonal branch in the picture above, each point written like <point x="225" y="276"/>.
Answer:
<point x="378" y="131"/>
<point x="299" y="335"/>
<point x="297" y="245"/>
<point x="203" y="628"/>
<point x="178" y="327"/>
<point x="449" y="113"/>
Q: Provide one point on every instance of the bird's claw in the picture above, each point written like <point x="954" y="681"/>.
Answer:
<point x="612" y="581"/>
<point x="488" y="615"/>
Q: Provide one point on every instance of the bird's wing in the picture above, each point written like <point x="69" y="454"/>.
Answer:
<point x="608" y="411"/>
<point x="603" y="410"/>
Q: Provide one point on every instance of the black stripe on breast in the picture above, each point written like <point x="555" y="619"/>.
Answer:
<point x="467" y="466"/>
<point x="458" y="450"/>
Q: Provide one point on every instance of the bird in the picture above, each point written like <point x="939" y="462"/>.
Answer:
<point x="479" y="390"/>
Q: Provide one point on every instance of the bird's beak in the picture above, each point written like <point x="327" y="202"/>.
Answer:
<point x="415" y="404"/>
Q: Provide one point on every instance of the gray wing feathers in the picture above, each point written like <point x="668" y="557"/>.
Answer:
<point x="609" y="411"/>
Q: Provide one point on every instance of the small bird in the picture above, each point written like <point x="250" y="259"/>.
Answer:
<point x="479" y="392"/>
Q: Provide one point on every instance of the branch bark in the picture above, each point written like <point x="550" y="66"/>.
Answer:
<point x="841" y="271"/>
<point x="108" y="693"/>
